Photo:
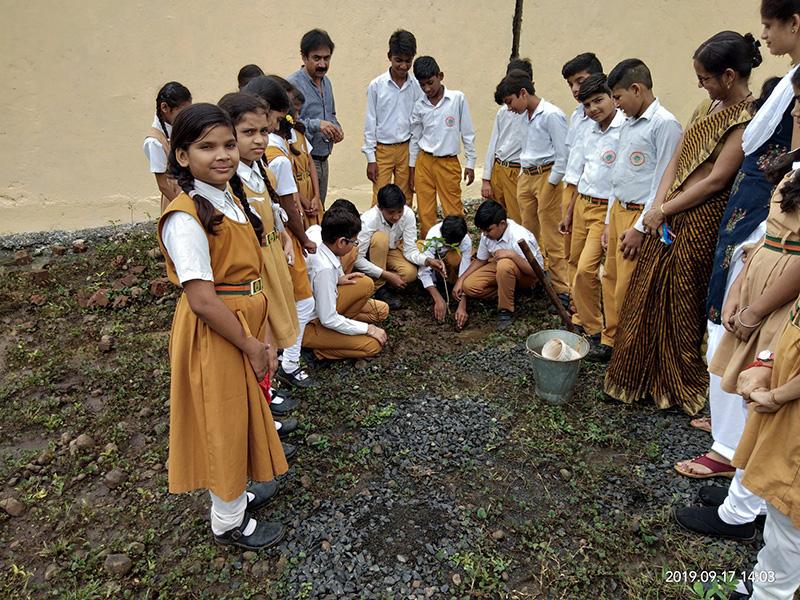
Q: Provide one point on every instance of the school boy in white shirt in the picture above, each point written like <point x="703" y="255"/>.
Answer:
<point x="449" y="242"/>
<point x="387" y="126"/>
<point x="543" y="159"/>
<point x="648" y="140"/>
<point x="440" y="122"/>
<point x="586" y="214"/>
<point x="500" y="266"/>
<point x="344" y="324"/>
<point x="501" y="166"/>
<point x="387" y="245"/>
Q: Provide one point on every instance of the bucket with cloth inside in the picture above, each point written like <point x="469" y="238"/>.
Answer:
<point x="556" y="358"/>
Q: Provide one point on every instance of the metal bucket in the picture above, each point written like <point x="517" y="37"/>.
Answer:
<point x="555" y="380"/>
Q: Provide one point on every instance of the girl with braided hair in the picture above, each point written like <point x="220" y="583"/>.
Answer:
<point x="221" y="430"/>
<point x="172" y="98"/>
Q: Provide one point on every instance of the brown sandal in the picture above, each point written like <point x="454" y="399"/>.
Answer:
<point x="701" y="423"/>
<point x="717" y="468"/>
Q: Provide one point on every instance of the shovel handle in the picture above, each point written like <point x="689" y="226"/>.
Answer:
<point x="545" y="281"/>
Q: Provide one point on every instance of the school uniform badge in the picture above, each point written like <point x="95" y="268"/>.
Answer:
<point x="608" y="157"/>
<point x="637" y="158"/>
<point x="450" y="121"/>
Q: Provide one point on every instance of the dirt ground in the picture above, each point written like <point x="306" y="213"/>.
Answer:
<point x="432" y="471"/>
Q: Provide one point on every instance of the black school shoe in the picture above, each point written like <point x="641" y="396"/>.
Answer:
<point x="505" y="319"/>
<point x="385" y="294"/>
<point x="705" y="520"/>
<point x="263" y="492"/>
<point x="265" y="535"/>
<point x="283" y="408"/>
<point x="297" y="378"/>
<point x="289" y="451"/>
<point x="565" y="302"/>
<point x="714" y="495"/>
<point x="288" y="425"/>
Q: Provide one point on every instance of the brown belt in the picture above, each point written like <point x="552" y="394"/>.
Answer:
<point x="395" y="143"/>
<point x="507" y="163"/>
<point x="537" y="170"/>
<point x="596" y="201"/>
<point x="632" y="206"/>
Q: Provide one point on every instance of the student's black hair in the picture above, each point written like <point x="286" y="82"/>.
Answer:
<point x="520" y="64"/>
<point x="391" y="197"/>
<point x="402" y="43"/>
<point x="246" y="73"/>
<point x="512" y="84"/>
<point x="729" y="50"/>
<point x="174" y="94"/>
<point x="291" y="90"/>
<point x="587" y="61"/>
<point x="489" y="213"/>
<point x="593" y="85"/>
<point x="190" y="125"/>
<point x="344" y="204"/>
<point x="426" y="67"/>
<point x="782" y="10"/>
<point x="340" y="223"/>
<point x="316" y="38"/>
<point x="790" y="192"/>
<point x="237" y="105"/>
<point x="454" y="228"/>
<point x="628" y="72"/>
<point x="766" y="91"/>
<point x="271" y="90"/>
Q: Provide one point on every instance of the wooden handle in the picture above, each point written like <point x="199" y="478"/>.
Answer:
<point x="543" y="279"/>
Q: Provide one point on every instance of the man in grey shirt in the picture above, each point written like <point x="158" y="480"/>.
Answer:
<point x="319" y="110"/>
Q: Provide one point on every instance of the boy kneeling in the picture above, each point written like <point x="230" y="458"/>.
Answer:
<point x="345" y="313"/>
<point x="500" y="267"/>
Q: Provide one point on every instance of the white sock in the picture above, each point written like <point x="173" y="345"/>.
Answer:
<point x="251" y="527"/>
<point x="278" y="425"/>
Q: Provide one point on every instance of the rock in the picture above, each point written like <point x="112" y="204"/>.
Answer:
<point x="155" y="253"/>
<point x="46" y="457"/>
<point x="99" y="298"/>
<point x="51" y="571"/>
<point x="65" y="438"/>
<point x="138" y="270"/>
<point x="84" y="442"/>
<point x="118" y="261"/>
<point x="313" y="439"/>
<point x="79" y="246"/>
<point x="305" y="482"/>
<point x="39" y="276"/>
<point x="498" y="534"/>
<point x="110" y="448"/>
<point x="121" y="301"/>
<point x="377" y="450"/>
<point x="249" y="555"/>
<point x="159" y="287"/>
<point x="37" y="299"/>
<point x="325" y="545"/>
<point x="115" y="477"/>
<point x="136" y="291"/>
<point x="58" y="250"/>
<point x="361" y="364"/>
<point x="566" y="474"/>
<point x="118" y="564"/>
<point x="22" y="257"/>
<point x="218" y="563"/>
<point x="106" y="343"/>
<point x="416" y="584"/>
<point x="456" y="579"/>
<point x="136" y="548"/>
<point x="12" y="506"/>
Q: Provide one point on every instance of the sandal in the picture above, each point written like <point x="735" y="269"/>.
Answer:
<point x="716" y="468"/>
<point x="701" y="423"/>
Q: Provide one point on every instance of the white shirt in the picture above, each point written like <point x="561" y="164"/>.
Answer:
<point x="599" y="152"/>
<point x="403" y="232"/>
<point x="282" y="167"/>
<point x="440" y="129"/>
<point x="324" y="270"/>
<point x="508" y="135"/>
<point x="389" y="107"/>
<point x="545" y="140"/>
<point x="579" y="125"/>
<point x="185" y="239"/>
<point x="646" y="145"/>
<point x="154" y="151"/>
<point x="509" y="241"/>
<point x="251" y="176"/>
<point x="425" y="274"/>
<point x="293" y="139"/>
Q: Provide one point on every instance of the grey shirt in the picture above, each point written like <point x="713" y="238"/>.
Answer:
<point x="319" y="106"/>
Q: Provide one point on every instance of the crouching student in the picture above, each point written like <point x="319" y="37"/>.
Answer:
<point x="585" y="218"/>
<point x="345" y="315"/>
<point x="221" y="431"/>
<point x="500" y="267"/>
<point x="387" y="245"/>
<point x="448" y="242"/>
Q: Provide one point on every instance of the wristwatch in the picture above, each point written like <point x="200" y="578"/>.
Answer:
<point x="766" y="355"/>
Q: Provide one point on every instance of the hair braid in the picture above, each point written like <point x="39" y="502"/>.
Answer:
<point x="208" y="216"/>
<point x="238" y="190"/>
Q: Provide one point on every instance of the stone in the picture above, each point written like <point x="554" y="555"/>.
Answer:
<point x="456" y="579"/>
<point x="138" y="270"/>
<point x="121" y="301"/>
<point x="40" y="277"/>
<point x="155" y="253"/>
<point x="377" y="450"/>
<point x="159" y="287"/>
<point x="313" y="439"/>
<point x="118" y="564"/>
<point x="79" y="246"/>
<point x="249" y="556"/>
<point x="84" y="442"/>
<point x="22" y="258"/>
<point x="136" y="291"/>
<point x="325" y="545"/>
<point x="566" y="474"/>
<point x="106" y="343"/>
<point x="51" y="571"/>
<point x="361" y="364"/>
<point x="65" y="438"/>
<point x="305" y="482"/>
<point x="12" y="506"/>
<point x="58" y="250"/>
<point x="99" y="298"/>
<point x="114" y="478"/>
<point x="498" y="534"/>
<point x="38" y="299"/>
<point x="136" y="548"/>
<point x="46" y="457"/>
<point x="218" y="563"/>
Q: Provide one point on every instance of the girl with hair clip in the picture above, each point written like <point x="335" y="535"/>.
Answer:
<point x="278" y="159"/>
<point x="172" y="98"/>
<point x="254" y="184"/>
<point x="221" y="430"/>
<point x="754" y="316"/>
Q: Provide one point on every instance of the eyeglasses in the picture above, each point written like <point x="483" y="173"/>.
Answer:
<point x="354" y="241"/>
<point x="702" y="80"/>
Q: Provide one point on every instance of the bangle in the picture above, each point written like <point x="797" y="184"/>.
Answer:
<point x="661" y="208"/>
<point x="739" y="320"/>
<point x="758" y="363"/>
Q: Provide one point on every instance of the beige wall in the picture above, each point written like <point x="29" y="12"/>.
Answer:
<point x="79" y="78"/>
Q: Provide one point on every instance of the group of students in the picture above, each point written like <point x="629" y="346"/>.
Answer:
<point x="643" y="229"/>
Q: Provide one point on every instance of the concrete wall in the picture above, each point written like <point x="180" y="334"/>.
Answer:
<point x="80" y="78"/>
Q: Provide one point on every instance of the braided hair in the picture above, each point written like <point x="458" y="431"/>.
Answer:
<point x="174" y="94"/>
<point x="237" y="105"/>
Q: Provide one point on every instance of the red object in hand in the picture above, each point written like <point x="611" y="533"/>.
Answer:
<point x="265" y="385"/>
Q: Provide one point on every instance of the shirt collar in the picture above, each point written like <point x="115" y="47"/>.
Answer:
<point x="167" y="126"/>
<point x="329" y="255"/>
<point x="448" y="95"/>
<point x="539" y="109"/>
<point x="217" y="197"/>
<point x="617" y="121"/>
<point x="651" y="110"/>
<point x="250" y="175"/>
<point x="391" y="81"/>
<point x="506" y="237"/>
